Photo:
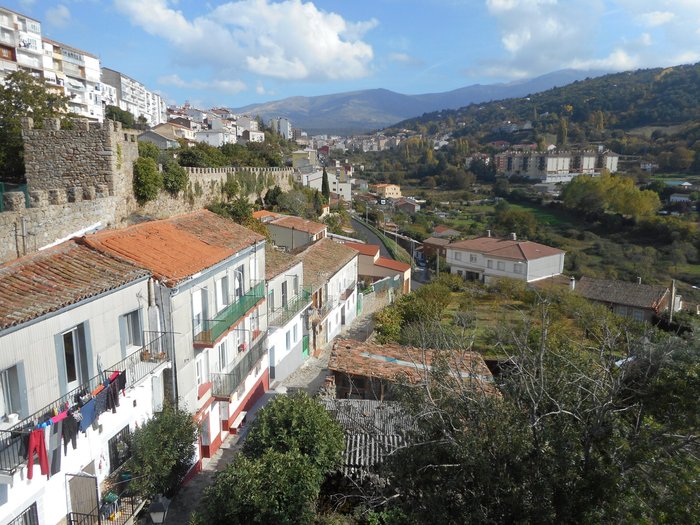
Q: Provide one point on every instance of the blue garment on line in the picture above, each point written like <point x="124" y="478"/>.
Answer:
<point x="88" y="413"/>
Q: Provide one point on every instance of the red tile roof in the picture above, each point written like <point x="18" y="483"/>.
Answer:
<point x="176" y="248"/>
<point x="297" y="223"/>
<point x="322" y="260"/>
<point x="506" y="248"/>
<point x="442" y="228"/>
<point x="392" y="361"/>
<point x="277" y="261"/>
<point x="364" y="249"/>
<point x="264" y="214"/>
<point x="57" y="277"/>
<point x="385" y="262"/>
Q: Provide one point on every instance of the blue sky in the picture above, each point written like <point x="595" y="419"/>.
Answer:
<point x="246" y="51"/>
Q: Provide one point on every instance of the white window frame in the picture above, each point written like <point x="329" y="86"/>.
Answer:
<point x="9" y="391"/>
<point x="518" y="268"/>
<point x="223" y="298"/>
<point x="472" y="257"/>
<point x="133" y="331"/>
<point x="295" y="333"/>
<point x="288" y="340"/>
<point x="489" y="264"/>
<point x="501" y="266"/>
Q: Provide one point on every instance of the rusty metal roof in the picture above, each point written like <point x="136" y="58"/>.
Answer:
<point x="57" y="277"/>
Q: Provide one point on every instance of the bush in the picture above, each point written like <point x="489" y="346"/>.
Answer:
<point x="175" y="177"/>
<point x="149" y="150"/>
<point x="147" y="179"/>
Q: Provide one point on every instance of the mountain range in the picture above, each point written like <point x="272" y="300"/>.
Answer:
<point x="371" y="109"/>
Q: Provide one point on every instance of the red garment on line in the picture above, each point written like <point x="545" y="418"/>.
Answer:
<point x="37" y="445"/>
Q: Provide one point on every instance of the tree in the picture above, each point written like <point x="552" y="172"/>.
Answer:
<point x="175" y="177"/>
<point x="150" y="150"/>
<point x="22" y="95"/>
<point x="277" y="487"/>
<point x="273" y="195"/>
<point x="147" y="179"/>
<point x="325" y="187"/>
<point x="162" y="452"/>
<point x="297" y="423"/>
<point x="120" y="115"/>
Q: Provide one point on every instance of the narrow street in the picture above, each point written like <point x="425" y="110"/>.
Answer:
<point x="371" y="237"/>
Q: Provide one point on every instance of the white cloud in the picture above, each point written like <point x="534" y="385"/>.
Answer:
<point x="656" y="18"/>
<point x="618" y="60"/>
<point x="230" y="87"/>
<point x="58" y="16"/>
<point x="405" y="59"/>
<point x="288" y="39"/>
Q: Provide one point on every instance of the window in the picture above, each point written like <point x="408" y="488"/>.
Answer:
<point x="288" y="340"/>
<point x="296" y="285"/>
<point x="9" y="391"/>
<point x="223" y="354"/>
<point x="271" y="300"/>
<point x="638" y="315"/>
<point x="240" y="281"/>
<point x="284" y="294"/>
<point x="199" y="309"/>
<point x="458" y="256"/>
<point x="501" y="266"/>
<point x="518" y="268"/>
<point x="489" y="263"/>
<point x="28" y="517"/>
<point x="472" y="257"/>
<point x="295" y="333"/>
<point x="222" y="299"/>
<point x="119" y="449"/>
<point x="75" y="357"/>
<point x="133" y="334"/>
<point x="202" y="368"/>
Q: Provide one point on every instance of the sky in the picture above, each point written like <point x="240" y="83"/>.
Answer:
<point x="235" y="53"/>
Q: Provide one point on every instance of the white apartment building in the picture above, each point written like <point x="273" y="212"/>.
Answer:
<point x="283" y="126"/>
<point x="132" y="96"/>
<point x="488" y="258"/>
<point x="20" y="44"/>
<point x="77" y="74"/>
<point x="555" y="166"/>
<point x="72" y="320"/>
<point x="315" y="180"/>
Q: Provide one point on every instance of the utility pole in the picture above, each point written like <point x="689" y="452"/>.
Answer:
<point x="673" y="300"/>
<point x="437" y="262"/>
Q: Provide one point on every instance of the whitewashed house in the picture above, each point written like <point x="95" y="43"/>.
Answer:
<point x="71" y="318"/>
<point x="488" y="258"/>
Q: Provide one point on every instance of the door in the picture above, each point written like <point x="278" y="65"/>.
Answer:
<point x="284" y="294"/>
<point x="84" y="507"/>
<point x="342" y="315"/>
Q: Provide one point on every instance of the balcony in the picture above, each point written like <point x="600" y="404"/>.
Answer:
<point x="284" y="314"/>
<point x="224" y="385"/>
<point x="137" y="365"/>
<point x="214" y="329"/>
<point x="348" y="292"/>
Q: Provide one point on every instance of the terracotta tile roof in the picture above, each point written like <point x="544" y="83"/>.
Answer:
<point x="392" y="361"/>
<point x="385" y="262"/>
<point x="442" y="228"/>
<point x="322" y="260"/>
<point x="176" y="248"/>
<point x="506" y="248"/>
<point x="277" y="261"/>
<point x="297" y="223"/>
<point x="437" y="241"/>
<point x="261" y="215"/>
<point x="364" y="249"/>
<point x="622" y="292"/>
<point x="57" y="277"/>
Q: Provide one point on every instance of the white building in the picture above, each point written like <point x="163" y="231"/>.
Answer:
<point x="330" y="275"/>
<point x="488" y="258"/>
<point x="555" y="166"/>
<point x="287" y="305"/>
<point x="134" y="97"/>
<point x="314" y="180"/>
<point x="283" y="126"/>
<point x="215" y="138"/>
<point x="210" y="288"/>
<point x="20" y="44"/>
<point x="71" y="318"/>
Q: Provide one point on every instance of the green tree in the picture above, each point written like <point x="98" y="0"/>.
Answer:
<point x="297" y="423"/>
<point x="273" y="195"/>
<point x="162" y="452"/>
<point x="175" y="177"/>
<point x="147" y="179"/>
<point x="276" y="487"/>
<point x="325" y="187"/>
<point x="22" y="95"/>
<point x="150" y="150"/>
<point x="120" y="115"/>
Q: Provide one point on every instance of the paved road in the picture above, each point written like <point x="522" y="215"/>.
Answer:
<point x="371" y="237"/>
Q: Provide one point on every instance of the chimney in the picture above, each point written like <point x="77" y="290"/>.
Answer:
<point x="572" y="283"/>
<point x="513" y="237"/>
<point x="488" y="233"/>
<point x="639" y="280"/>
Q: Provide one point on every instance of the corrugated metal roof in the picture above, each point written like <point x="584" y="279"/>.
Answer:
<point x="57" y="277"/>
<point x="179" y="247"/>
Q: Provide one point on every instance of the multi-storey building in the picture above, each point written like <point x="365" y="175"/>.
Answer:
<point x="132" y="96"/>
<point x="555" y="166"/>
<point x="283" y="126"/>
<point x="73" y="319"/>
<point x="76" y="74"/>
<point x="210" y="291"/>
<point x="20" y="44"/>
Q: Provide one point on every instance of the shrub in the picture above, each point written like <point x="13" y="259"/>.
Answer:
<point x="147" y="179"/>
<point x="175" y="177"/>
<point x="149" y="150"/>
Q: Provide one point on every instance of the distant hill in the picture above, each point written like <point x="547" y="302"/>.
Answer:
<point x="362" y="111"/>
<point x="593" y="108"/>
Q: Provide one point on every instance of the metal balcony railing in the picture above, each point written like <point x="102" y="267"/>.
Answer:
<point x="138" y="365"/>
<point x="282" y="315"/>
<point x="223" y="385"/>
<point x="348" y="291"/>
<point x="213" y="329"/>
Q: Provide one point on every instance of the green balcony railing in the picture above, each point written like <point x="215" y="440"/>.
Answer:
<point x="213" y="329"/>
<point x="223" y="385"/>
<point x="282" y="315"/>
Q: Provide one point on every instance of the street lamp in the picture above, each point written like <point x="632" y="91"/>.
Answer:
<point x="159" y="509"/>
